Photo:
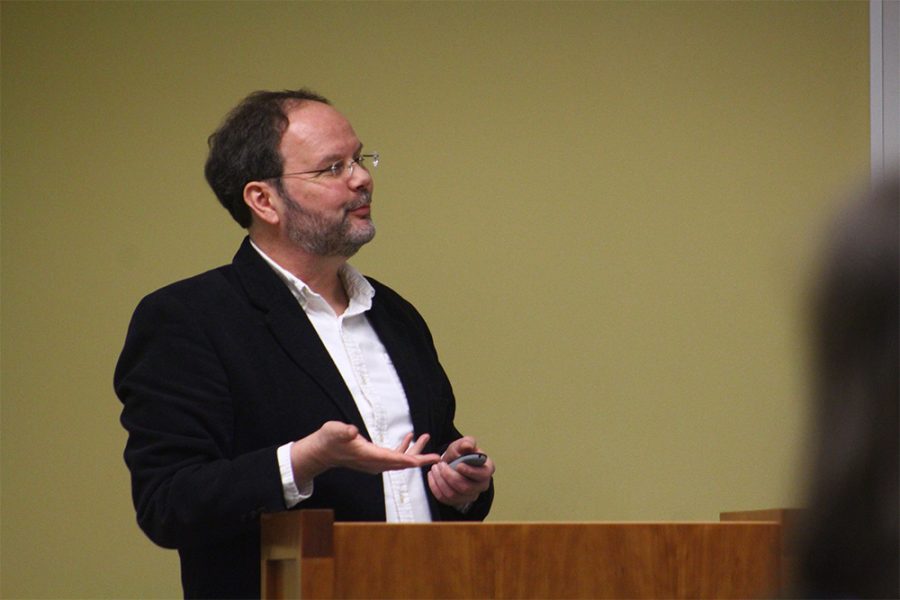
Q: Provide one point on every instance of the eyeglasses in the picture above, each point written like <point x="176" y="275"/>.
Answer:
<point x="337" y="169"/>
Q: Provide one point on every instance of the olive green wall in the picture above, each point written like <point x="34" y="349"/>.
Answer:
<point x="603" y="210"/>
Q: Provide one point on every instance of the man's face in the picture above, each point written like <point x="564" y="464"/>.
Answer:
<point x="323" y="214"/>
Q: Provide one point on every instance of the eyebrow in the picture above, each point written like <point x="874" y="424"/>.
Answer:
<point x="333" y="158"/>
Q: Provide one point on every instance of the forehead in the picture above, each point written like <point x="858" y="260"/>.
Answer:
<point x="317" y="131"/>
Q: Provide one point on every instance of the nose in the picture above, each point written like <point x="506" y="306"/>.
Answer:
<point x="360" y="178"/>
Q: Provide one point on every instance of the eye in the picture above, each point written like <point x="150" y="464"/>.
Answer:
<point x="337" y="168"/>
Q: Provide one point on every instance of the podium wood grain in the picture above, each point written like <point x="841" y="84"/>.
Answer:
<point x="307" y="555"/>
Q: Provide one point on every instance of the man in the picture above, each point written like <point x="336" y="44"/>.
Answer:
<point x="286" y="379"/>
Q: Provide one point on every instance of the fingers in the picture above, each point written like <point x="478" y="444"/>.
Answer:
<point x="464" y="484"/>
<point x="338" y="444"/>
<point x="457" y="448"/>
<point x="373" y="459"/>
<point x="419" y="445"/>
<point x="407" y="440"/>
<point x="415" y="449"/>
<point x="450" y="487"/>
<point x="439" y="487"/>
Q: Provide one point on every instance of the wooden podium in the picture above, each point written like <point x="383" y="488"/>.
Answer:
<point x="305" y="554"/>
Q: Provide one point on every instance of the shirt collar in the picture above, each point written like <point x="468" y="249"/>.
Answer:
<point x="358" y="288"/>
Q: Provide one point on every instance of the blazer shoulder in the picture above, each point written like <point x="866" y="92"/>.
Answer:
<point x="389" y="299"/>
<point x="199" y="290"/>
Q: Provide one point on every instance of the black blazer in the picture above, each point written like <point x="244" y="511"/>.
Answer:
<point x="218" y="371"/>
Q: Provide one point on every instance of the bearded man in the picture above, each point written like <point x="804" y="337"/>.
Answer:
<point x="286" y="379"/>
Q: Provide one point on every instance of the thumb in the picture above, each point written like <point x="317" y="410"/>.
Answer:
<point x="340" y="432"/>
<point x="463" y="445"/>
<point x="350" y="432"/>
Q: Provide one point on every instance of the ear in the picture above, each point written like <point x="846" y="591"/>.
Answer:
<point x="258" y="196"/>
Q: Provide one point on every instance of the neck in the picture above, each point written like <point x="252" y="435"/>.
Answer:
<point x="320" y="273"/>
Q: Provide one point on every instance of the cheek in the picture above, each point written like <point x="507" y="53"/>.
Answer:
<point x="328" y="202"/>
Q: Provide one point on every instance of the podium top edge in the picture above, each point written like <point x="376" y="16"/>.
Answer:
<point x="556" y="523"/>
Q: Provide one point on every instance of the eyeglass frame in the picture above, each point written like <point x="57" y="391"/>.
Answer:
<point x="337" y="168"/>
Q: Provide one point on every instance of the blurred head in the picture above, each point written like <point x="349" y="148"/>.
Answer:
<point x="849" y="547"/>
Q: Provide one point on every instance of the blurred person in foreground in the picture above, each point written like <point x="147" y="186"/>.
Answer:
<point x="849" y="543"/>
<point x="286" y="379"/>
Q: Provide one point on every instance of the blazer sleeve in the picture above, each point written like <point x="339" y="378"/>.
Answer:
<point x="188" y="485"/>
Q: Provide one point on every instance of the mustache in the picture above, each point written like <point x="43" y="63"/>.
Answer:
<point x="364" y="199"/>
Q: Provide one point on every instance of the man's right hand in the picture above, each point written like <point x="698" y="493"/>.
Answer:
<point x="338" y="444"/>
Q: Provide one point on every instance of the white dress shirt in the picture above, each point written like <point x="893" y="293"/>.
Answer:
<point x="372" y="380"/>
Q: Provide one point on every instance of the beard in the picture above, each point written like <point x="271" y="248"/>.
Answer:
<point x="324" y="236"/>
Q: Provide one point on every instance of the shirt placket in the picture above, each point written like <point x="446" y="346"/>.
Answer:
<point x="396" y="481"/>
<point x="377" y="427"/>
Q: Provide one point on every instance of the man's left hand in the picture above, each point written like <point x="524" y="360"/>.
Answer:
<point x="460" y="487"/>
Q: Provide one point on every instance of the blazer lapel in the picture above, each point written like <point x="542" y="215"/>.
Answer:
<point x="293" y="331"/>
<point x="402" y="354"/>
